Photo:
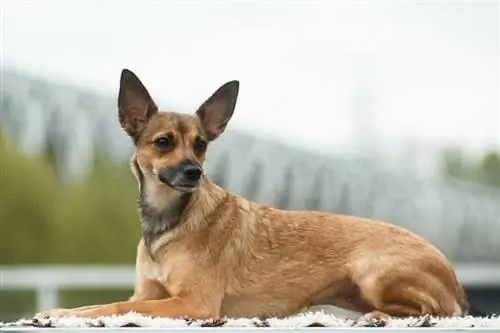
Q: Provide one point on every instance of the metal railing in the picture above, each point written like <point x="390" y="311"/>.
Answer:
<point x="47" y="281"/>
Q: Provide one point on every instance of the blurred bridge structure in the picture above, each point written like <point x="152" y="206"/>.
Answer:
<point x="462" y="219"/>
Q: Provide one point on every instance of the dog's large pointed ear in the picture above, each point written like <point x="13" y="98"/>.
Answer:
<point x="135" y="105"/>
<point x="216" y="111"/>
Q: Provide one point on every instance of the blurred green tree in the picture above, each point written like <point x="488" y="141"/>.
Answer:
<point x="94" y="219"/>
<point x="486" y="171"/>
<point x="27" y="192"/>
<point x="97" y="219"/>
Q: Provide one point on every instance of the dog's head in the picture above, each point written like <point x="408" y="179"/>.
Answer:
<point x="170" y="147"/>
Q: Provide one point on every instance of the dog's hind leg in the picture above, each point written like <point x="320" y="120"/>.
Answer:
<point x="407" y="296"/>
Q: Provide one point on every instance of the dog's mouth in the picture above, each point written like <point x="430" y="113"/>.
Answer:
<point x="184" y="178"/>
<point x="184" y="188"/>
<point x="181" y="185"/>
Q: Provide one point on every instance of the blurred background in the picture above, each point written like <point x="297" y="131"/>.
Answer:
<point x="387" y="110"/>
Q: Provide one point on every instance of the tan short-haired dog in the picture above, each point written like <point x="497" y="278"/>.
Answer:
<point x="207" y="253"/>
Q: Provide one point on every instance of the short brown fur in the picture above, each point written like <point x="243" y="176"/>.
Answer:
<point x="222" y="255"/>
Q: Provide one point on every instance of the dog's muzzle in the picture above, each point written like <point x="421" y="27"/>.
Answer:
<point x="185" y="177"/>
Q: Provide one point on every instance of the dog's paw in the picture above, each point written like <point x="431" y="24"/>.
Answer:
<point x="373" y="319"/>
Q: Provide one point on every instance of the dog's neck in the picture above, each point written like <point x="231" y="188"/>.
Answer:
<point x="161" y="210"/>
<point x="164" y="210"/>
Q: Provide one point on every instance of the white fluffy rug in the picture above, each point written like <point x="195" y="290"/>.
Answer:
<point x="320" y="317"/>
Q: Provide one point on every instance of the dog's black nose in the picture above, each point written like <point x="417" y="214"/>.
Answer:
<point x="192" y="172"/>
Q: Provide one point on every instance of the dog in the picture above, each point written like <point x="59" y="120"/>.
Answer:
<point x="206" y="253"/>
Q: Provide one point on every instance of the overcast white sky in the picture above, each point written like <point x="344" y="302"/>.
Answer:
<point x="433" y="68"/>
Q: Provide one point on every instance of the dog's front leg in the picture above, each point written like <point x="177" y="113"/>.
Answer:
<point x="60" y="312"/>
<point x="173" y="307"/>
<point x="145" y="289"/>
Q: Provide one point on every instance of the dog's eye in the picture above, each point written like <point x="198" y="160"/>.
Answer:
<point x="200" y="145"/>
<point x="164" y="143"/>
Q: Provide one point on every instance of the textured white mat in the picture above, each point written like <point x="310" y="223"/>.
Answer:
<point x="306" y="319"/>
